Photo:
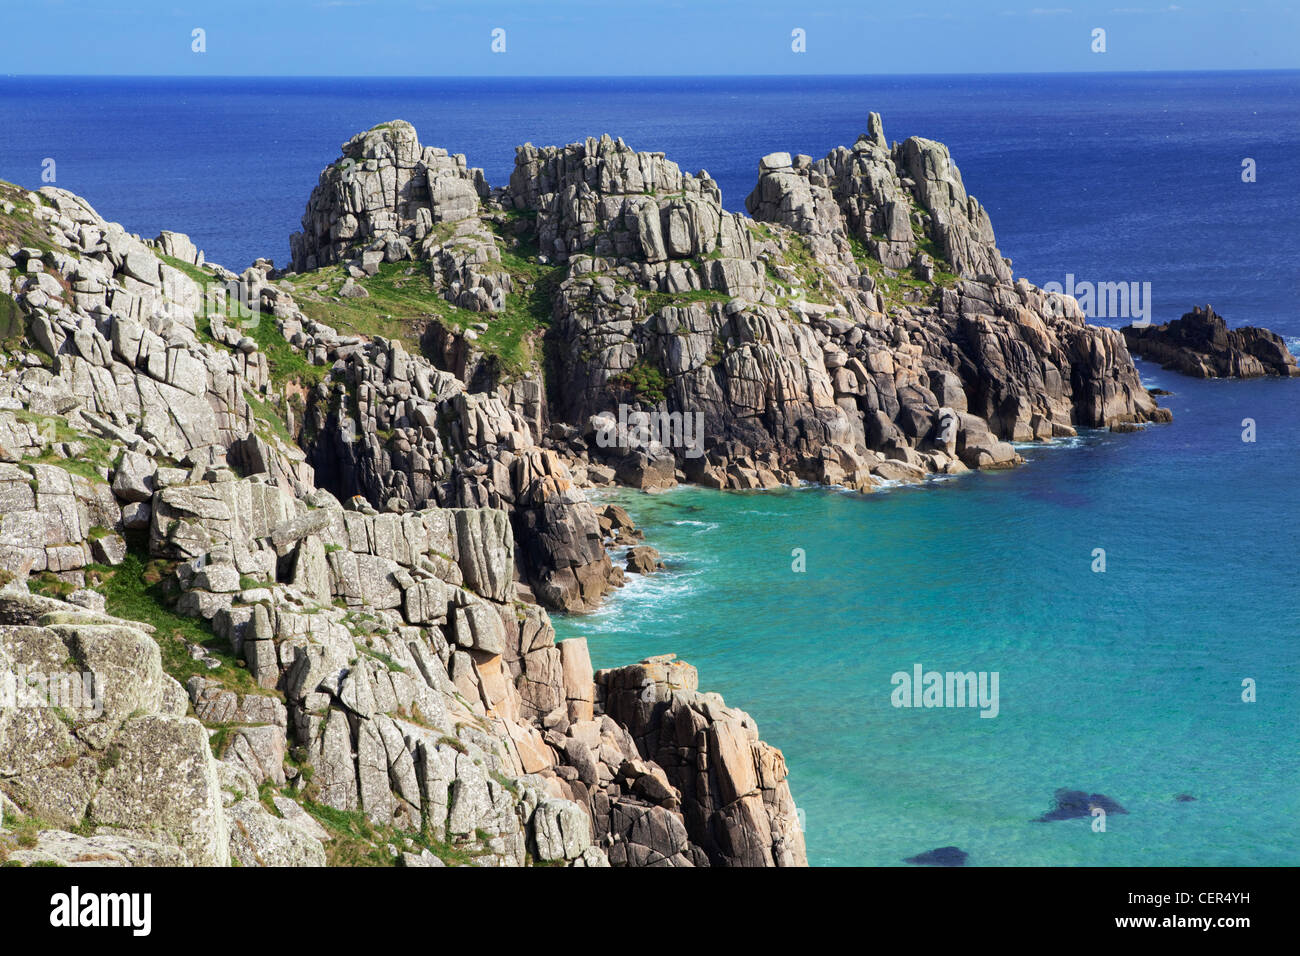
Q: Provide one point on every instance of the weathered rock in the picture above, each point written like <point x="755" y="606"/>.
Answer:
<point x="644" y="560"/>
<point x="1200" y="344"/>
<point x="735" y="800"/>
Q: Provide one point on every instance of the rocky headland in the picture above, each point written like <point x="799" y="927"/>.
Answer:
<point x="1200" y="344"/>
<point x="297" y="531"/>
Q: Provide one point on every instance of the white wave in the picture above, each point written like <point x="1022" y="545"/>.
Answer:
<point x="643" y="597"/>
<point x="1069" y="441"/>
<point x="705" y="527"/>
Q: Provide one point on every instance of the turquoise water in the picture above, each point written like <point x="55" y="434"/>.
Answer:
<point x="1126" y="682"/>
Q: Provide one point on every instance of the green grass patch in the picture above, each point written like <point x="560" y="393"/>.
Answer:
<point x="135" y="590"/>
<point x="894" y="289"/>
<point x="357" y="841"/>
<point x="18" y="227"/>
<point x="399" y="306"/>
<point x="287" y="364"/>
<point x="197" y="273"/>
<point x="654" y="301"/>
<point x="645" y="381"/>
<point x="269" y="420"/>
<point x="12" y="325"/>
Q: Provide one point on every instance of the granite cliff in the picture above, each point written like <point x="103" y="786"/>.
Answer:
<point x="301" y="528"/>
<point x="208" y="659"/>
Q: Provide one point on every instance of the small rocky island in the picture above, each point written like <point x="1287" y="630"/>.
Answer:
<point x="303" y="528"/>
<point x="1200" y="344"/>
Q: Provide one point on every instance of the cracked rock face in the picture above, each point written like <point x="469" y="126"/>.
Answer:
<point x="862" y="327"/>
<point x="389" y="199"/>
<point x="120" y="751"/>
<point x="368" y="547"/>
<point x="387" y="666"/>
<point x="1200" y="344"/>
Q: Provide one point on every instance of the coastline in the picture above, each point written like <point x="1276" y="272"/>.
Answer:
<point x="813" y="695"/>
<point x="497" y="432"/>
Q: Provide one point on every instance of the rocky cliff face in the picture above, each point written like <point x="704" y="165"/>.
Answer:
<point x="341" y="506"/>
<point x="863" y="326"/>
<point x="250" y="671"/>
<point x="1200" y="344"/>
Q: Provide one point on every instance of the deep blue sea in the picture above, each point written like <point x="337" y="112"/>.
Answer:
<point x="1127" y="682"/>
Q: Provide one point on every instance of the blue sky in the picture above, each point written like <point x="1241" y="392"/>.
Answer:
<point x="603" y="37"/>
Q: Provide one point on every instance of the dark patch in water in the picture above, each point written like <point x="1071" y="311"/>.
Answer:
<point x="1071" y="804"/>
<point x="943" y="856"/>
<point x="1185" y="798"/>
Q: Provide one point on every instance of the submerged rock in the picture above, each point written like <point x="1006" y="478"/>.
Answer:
<point x="1071" y="804"/>
<point x="943" y="856"/>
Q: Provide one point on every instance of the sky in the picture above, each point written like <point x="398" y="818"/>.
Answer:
<point x="609" y="38"/>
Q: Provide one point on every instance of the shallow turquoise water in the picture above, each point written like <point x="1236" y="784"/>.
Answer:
<point x="1126" y="682"/>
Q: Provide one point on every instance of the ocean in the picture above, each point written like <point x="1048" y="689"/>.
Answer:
<point x="1127" y="681"/>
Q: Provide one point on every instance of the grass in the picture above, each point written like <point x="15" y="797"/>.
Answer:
<point x="357" y="841"/>
<point x="23" y="833"/>
<point x="512" y="335"/>
<point x="645" y="381"/>
<point x="84" y="467"/>
<point x="18" y="227"/>
<point x="12" y="325"/>
<point x="797" y="256"/>
<point x="399" y="305"/>
<point x="654" y="301"/>
<point x="287" y="364"/>
<point x="49" y="584"/>
<point x="197" y="273"/>
<point x="385" y="659"/>
<point x="97" y="452"/>
<point x="269" y="419"/>
<point x="402" y="302"/>
<point x="943" y="274"/>
<point x="134" y="590"/>
<point x="894" y="289"/>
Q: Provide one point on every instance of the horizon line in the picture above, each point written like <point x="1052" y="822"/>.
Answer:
<point x="621" y="76"/>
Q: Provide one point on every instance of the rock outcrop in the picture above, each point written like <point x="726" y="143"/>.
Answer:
<point x="388" y="199"/>
<point x="863" y="327"/>
<point x="346" y="521"/>
<point x="301" y="665"/>
<point x="94" y="737"/>
<point x="732" y="786"/>
<point x="1200" y="344"/>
